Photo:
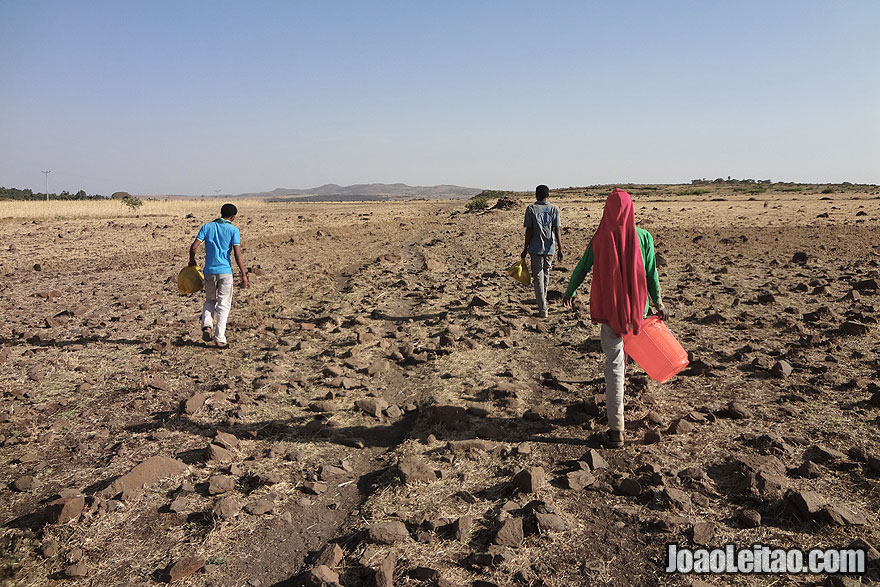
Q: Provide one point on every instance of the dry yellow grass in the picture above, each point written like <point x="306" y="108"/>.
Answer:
<point x="32" y="209"/>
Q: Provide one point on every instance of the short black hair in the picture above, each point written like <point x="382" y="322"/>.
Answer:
<point x="228" y="211"/>
<point x="542" y="192"/>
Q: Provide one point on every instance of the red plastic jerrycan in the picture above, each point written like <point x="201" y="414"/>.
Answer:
<point x="656" y="350"/>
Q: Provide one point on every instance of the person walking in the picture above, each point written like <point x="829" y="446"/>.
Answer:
<point x="624" y="277"/>
<point x="541" y="240"/>
<point x="221" y="239"/>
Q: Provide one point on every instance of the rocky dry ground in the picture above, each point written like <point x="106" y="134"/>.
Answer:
<point x="390" y="413"/>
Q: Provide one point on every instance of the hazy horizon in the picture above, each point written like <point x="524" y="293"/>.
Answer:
<point x="204" y="98"/>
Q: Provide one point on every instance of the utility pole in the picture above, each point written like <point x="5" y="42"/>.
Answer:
<point x="46" y="173"/>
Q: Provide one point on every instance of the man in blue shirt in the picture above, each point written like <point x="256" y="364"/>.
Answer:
<point x="542" y="238"/>
<point x="221" y="239"/>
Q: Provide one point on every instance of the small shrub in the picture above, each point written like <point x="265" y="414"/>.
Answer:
<point x="692" y="192"/>
<point x="132" y="202"/>
<point x="828" y="191"/>
<point x="477" y="203"/>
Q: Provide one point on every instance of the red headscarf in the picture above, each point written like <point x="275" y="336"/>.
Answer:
<point x="620" y="289"/>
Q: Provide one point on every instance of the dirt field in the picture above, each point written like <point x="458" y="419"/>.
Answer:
<point x="386" y="381"/>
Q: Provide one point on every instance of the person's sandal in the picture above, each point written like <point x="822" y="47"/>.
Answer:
<point x="207" y="335"/>
<point x="612" y="439"/>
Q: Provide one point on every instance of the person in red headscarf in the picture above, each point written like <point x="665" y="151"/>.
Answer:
<point x="624" y="277"/>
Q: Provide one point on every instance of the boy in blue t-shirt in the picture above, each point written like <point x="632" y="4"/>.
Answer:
<point x="542" y="240"/>
<point x="221" y="238"/>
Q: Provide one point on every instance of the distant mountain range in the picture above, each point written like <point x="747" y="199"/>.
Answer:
<point x="366" y="191"/>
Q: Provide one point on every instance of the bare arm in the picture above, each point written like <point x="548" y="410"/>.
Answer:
<point x="236" y="250"/>
<point x="528" y="240"/>
<point x="193" y="249"/>
<point x="558" y="243"/>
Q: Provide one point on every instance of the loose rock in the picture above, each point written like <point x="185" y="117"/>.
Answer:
<point x="414" y="469"/>
<point x="65" y="509"/>
<point x="24" y="483"/>
<point x="529" y="480"/>
<point x="321" y="576"/>
<point x="373" y="406"/>
<point x="749" y="518"/>
<point x="595" y="460"/>
<point x="330" y="556"/>
<point x="702" y="533"/>
<point x="738" y="411"/>
<point x="388" y="532"/>
<point x="550" y="523"/>
<point x="510" y="534"/>
<point x="218" y="484"/>
<point x="261" y="506"/>
<point x="781" y="369"/>
<point x="578" y="480"/>
<point x="184" y="568"/>
<point x="227" y="508"/>
<point x="225" y="440"/>
<point x="146" y="474"/>
<point x="218" y="454"/>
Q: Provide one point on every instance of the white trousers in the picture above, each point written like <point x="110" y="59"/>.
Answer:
<point x="615" y="369"/>
<point x="218" y="301"/>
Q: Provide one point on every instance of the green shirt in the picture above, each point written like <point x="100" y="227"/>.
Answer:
<point x="646" y="244"/>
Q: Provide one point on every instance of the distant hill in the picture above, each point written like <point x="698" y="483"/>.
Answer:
<point x="368" y="191"/>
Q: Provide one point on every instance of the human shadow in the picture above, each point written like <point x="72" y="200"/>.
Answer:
<point x="39" y="341"/>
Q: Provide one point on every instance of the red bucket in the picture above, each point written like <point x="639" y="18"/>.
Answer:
<point x="656" y="350"/>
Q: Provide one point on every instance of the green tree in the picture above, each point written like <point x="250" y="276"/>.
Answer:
<point x="132" y="202"/>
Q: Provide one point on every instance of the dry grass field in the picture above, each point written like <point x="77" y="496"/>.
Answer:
<point x="386" y="381"/>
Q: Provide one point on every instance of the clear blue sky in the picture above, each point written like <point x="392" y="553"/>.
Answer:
<point x="189" y="97"/>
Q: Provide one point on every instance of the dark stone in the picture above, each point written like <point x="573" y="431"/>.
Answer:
<point x="749" y="518"/>
<point x="841" y="516"/>
<point x="781" y="369"/>
<point x="681" y="426"/>
<point x="65" y="509"/>
<point x="677" y="498"/>
<point x="737" y="411"/>
<point x="529" y="480"/>
<point x="414" y="469"/>
<point x="702" y="533"/>
<point x="330" y="556"/>
<point x="823" y="454"/>
<point x="373" y="406"/>
<point x="550" y="523"/>
<point x="184" y="568"/>
<point x="595" y="460"/>
<point x="808" y="470"/>
<point x="261" y="506"/>
<point x="218" y="484"/>
<point x="806" y="503"/>
<point x="510" y="534"/>
<point x="630" y="487"/>
<point x="320" y="576"/>
<point x="462" y="527"/>
<point x="652" y="436"/>
<point x="853" y="328"/>
<point x="388" y="532"/>
<point x="578" y="480"/>
<point x="24" y="483"/>
<point x="227" y="508"/>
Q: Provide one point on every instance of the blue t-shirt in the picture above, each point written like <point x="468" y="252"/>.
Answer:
<point x="219" y="237"/>
<point x="542" y="217"/>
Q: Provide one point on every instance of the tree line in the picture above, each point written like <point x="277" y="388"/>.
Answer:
<point x="17" y="194"/>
